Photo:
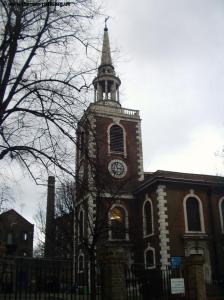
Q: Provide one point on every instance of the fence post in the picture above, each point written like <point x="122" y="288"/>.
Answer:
<point x="112" y="259"/>
<point x="195" y="279"/>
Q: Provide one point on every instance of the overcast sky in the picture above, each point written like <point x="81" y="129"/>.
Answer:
<point x="171" y="65"/>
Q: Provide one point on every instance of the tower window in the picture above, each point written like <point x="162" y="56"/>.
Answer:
<point x="81" y="225"/>
<point x="81" y="263"/>
<point x="82" y="141"/>
<point x="147" y="218"/>
<point x="118" y="220"/>
<point x="149" y="256"/>
<point x="116" y="139"/>
<point x="193" y="212"/>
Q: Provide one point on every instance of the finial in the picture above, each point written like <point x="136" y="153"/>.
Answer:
<point x="106" y="19"/>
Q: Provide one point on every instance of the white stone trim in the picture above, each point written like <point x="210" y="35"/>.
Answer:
<point x="105" y="110"/>
<point x="149" y="248"/>
<point x="147" y="199"/>
<point x="115" y="197"/>
<point x="92" y="139"/>
<point x="126" y="223"/>
<point x="221" y="200"/>
<point x="139" y="151"/>
<point x="201" y="214"/>
<point x="124" y="153"/>
<point x="163" y="226"/>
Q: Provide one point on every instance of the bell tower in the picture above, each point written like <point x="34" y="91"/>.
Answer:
<point x="109" y="135"/>
<point x="109" y="162"/>
<point x="106" y="84"/>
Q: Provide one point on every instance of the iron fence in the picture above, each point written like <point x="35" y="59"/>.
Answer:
<point x="152" y="284"/>
<point x="41" y="279"/>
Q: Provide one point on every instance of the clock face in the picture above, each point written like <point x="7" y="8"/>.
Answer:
<point x="117" y="168"/>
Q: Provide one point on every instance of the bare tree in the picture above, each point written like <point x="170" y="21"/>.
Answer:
<point x="64" y="219"/>
<point x="43" y="80"/>
<point x="62" y="239"/>
<point x="40" y="224"/>
<point x="6" y="197"/>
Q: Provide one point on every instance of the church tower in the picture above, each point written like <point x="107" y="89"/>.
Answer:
<point x="109" y="161"/>
<point x="113" y="137"/>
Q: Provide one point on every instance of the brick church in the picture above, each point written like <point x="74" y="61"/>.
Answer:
<point x="159" y="217"/>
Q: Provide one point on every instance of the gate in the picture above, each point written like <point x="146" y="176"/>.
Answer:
<point x="143" y="284"/>
<point x="42" y="279"/>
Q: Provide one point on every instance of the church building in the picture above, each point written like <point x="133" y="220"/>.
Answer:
<point x="159" y="217"/>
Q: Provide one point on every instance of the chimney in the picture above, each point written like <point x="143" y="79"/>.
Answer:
<point x="50" y="219"/>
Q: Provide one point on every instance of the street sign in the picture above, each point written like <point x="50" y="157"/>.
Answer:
<point x="176" y="261"/>
<point x="177" y="286"/>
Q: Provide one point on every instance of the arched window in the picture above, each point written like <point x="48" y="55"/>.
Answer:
<point x="81" y="263"/>
<point x="149" y="256"/>
<point x="147" y="218"/>
<point x="118" y="221"/>
<point x="194" y="220"/>
<point x="82" y="142"/>
<point x="116" y="139"/>
<point x="221" y="212"/>
<point x="81" y="225"/>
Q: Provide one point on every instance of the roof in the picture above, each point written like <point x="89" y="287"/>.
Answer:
<point x="179" y="177"/>
<point x="13" y="212"/>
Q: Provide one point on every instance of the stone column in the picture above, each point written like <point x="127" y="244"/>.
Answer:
<point x="50" y="219"/>
<point x="194" y="277"/>
<point x="112" y="259"/>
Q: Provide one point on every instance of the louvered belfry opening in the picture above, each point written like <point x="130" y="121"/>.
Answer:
<point x="116" y="139"/>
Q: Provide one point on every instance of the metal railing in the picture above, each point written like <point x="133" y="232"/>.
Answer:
<point x="40" y="279"/>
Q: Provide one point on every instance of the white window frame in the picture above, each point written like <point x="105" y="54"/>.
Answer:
<point x="124" y="153"/>
<point x="126" y="223"/>
<point x="25" y="236"/>
<point x="201" y="214"/>
<point x="221" y="200"/>
<point x="147" y="199"/>
<point x="149" y="248"/>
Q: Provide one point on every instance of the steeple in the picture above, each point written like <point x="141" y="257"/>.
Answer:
<point x="106" y="84"/>
<point x="106" y="55"/>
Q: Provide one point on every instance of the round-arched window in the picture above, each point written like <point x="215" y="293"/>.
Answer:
<point x="117" y="221"/>
<point x="116" y="139"/>
<point x="193" y="214"/>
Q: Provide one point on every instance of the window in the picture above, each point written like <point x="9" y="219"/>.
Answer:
<point x="147" y="218"/>
<point x="149" y="256"/>
<point x="25" y="236"/>
<point x="116" y="139"/>
<point x="81" y="225"/>
<point x="9" y="239"/>
<point x="81" y="263"/>
<point x="118" y="220"/>
<point x="82" y="142"/>
<point x="221" y="212"/>
<point x="193" y="212"/>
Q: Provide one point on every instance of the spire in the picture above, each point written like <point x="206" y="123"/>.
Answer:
<point x="106" y="55"/>
<point x="106" y="84"/>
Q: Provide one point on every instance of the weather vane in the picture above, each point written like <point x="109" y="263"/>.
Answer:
<point x="106" y="19"/>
